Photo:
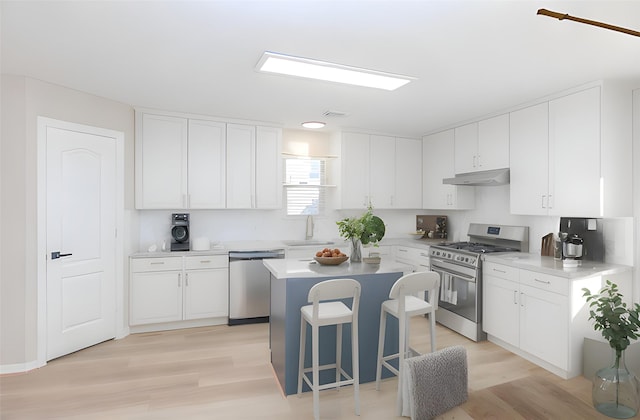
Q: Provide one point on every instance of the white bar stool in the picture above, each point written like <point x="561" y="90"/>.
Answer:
<point x="330" y="313"/>
<point x="403" y="304"/>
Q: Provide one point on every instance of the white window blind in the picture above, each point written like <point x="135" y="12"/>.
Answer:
<point x="304" y="186"/>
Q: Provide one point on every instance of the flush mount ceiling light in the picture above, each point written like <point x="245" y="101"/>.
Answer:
<point x="322" y="70"/>
<point x="313" y="124"/>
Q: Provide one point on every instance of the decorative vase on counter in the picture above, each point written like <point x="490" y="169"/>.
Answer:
<point x="615" y="390"/>
<point x="356" y="250"/>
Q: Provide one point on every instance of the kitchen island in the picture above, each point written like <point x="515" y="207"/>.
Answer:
<point x="291" y="280"/>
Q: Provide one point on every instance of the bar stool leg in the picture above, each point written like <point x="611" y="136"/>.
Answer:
<point x="316" y="371"/>
<point x="432" y="319"/>
<point x="381" y="337"/>
<point x="355" y="363"/>
<point x="301" y="354"/>
<point x="402" y="320"/>
<point x="338" y="354"/>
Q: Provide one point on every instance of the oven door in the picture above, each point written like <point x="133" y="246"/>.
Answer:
<point x="458" y="289"/>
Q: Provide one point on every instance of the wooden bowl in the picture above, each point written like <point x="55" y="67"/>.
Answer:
<point x="331" y="260"/>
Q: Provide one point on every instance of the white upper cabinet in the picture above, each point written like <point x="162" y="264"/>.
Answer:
<point x="161" y="162"/>
<point x="483" y="145"/>
<point x="574" y="154"/>
<point x="408" y="182"/>
<point x="529" y="157"/>
<point x="493" y="143"/>
<point x="206" y="173"/>
<point x="354" y="170"/>
<point x="241" y="140"/>
<point x="466" y="148"/>
<point x="438" y="163"/>
<point x="382" y="164"/>
<point x="381" y="171"/>
<point x="195" y="163"/>
<point x="268" y="189"/>
<point x="571" y="156"/>
<point x="254" y="172"/>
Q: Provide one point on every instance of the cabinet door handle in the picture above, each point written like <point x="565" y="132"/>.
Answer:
<point x="550" y="202"/>
<point x="542" y="197"/>
<point x="422" y="254"/>
<point x="179" y="280"/>
<point x="542" y="281"/>
<point x="205" y="261"/>
<point x="157" y="263"/>
<point x="186" y="279"/>
<point x="515" y="297"/>
<point x="522" y="299"/>
<point x="403" y="250"/>
<point x="500" y="271"/>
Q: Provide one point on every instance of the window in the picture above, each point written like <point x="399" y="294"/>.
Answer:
<point x="304" y="186"/>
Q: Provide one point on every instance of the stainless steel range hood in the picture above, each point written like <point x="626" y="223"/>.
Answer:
<point x="481" y="178"/>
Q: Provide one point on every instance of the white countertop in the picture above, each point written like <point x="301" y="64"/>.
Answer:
<point x="295" y="268"/>
<point x="164" y="254"/>
<point x="549" y="265"/>
<point x="266" y="245"/>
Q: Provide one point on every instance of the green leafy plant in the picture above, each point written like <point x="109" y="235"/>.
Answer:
<point x="618" y="323"/>
<point x="368" y="228"/>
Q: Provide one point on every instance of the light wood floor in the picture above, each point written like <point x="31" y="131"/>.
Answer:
<point x="224" y="373"/>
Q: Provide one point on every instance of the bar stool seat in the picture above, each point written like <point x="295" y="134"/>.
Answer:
<point x="403" y="305"/>
<point x="328" y="309"/>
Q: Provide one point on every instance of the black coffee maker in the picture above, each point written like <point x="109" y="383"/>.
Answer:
<point x="582" y="239"/>
<point x="180" y="232"/>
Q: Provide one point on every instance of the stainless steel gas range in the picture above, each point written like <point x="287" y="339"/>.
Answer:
<point x="460" y="267"/>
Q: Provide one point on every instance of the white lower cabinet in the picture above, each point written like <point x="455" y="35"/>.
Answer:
<point x="528" y="311"/>
<point x="416" y="257"/>
<point x="544" y="325"/>
<point x="206" y="291"/>
<point x="501" y="311"/>
<point x="180" y="288"/>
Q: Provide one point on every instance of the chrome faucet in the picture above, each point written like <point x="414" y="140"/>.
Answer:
<point x="309" y="233"/>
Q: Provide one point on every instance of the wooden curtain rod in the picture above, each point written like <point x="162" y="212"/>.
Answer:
<point x="562" y="16"/>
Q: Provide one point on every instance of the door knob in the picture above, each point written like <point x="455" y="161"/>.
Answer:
<point x="56" y="254"/>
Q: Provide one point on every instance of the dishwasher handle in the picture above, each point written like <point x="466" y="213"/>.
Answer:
<point x="255" y="255"/>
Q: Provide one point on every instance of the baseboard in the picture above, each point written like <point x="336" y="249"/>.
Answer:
<point x="19" y="367"/>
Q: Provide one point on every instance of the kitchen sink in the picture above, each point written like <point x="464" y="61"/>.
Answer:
<point x="307" y="242"/>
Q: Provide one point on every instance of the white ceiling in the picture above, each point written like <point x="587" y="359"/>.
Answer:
<point x="471" y="58"/>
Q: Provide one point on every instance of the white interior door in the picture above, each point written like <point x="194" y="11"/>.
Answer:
<point x="81" y="227"/>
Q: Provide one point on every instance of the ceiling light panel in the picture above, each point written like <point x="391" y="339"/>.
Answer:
<point x="313" y="124"/>
<point x="322" y="70"/>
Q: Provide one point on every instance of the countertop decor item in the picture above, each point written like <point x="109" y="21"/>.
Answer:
<point x="362" y="230"/>
<point x="372" y="260"/>
<point x="615" y="388"/>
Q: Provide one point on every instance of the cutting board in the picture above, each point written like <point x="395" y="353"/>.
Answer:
<point x="546" y="250"/>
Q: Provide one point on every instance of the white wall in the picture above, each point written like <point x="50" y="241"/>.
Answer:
<point x="23" y="100"/>
<point x="492" y="206"/>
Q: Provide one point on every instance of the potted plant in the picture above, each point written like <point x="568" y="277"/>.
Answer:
<point x="362" y="230"/>
<point x="615" y="388"/>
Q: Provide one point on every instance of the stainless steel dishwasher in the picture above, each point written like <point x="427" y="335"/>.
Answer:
<point x="249" y="286"/>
